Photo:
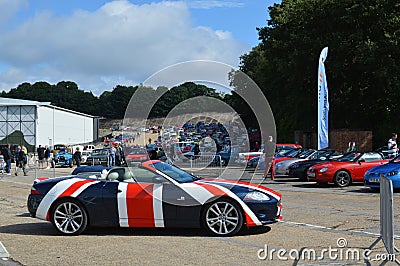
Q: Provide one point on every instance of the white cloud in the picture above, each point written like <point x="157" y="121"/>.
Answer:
<point x="9" y="7"/>
<point x="208" y="4"/>
<point x="120" y="42"/>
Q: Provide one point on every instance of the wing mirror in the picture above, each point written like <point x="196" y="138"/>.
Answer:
<point x="361" y="161"/>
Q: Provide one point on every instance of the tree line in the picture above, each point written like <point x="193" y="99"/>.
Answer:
<point x="110" y="104"/>
<point x="362" y="66"/>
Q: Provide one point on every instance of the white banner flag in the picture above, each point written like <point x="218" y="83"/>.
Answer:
<point x="323" y="103"/>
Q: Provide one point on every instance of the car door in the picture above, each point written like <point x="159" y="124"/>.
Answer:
<point x="365" y="162"/>
<point x="173" y="204"/>
<point x="128" y="203"/>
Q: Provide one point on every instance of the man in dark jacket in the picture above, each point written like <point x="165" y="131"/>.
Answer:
<point x="22" y="160"/>
<point x="77" y="157"/>
<point x="7" y="158"/>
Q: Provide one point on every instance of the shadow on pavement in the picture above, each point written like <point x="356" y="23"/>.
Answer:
<point x="47" y="229"/>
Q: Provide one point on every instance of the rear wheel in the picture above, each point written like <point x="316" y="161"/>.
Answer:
<point x="69" y="217"/>
<point x="342" y="179"/>
<point x="222" y="218"/>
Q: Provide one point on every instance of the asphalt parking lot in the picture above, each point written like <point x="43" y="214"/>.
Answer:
<point x="315" y="218"/>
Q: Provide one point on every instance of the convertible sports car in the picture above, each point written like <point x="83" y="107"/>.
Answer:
<point x="299" y="169"/>
<point x="153" y="194"/>
<point x="282" y="168"/>
<point x="351" y="167"/>
<point x="391" y="170"/>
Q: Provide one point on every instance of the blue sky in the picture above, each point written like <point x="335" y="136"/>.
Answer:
<point x="100" y="44"/>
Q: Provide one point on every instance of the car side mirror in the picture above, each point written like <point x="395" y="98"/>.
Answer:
<point x="361" y="161"/>
<point x="159" y="179"/>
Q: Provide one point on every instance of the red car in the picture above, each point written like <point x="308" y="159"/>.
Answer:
<point x="137" y="155"/>
<point x="349" y="168"/>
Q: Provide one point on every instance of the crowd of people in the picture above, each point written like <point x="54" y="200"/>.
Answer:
<point x="19" y="156"/>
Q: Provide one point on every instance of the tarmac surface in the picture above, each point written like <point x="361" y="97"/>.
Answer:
<point x="315" y="219"/>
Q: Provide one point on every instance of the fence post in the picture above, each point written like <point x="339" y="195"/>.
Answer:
<point x="386" y="216"/>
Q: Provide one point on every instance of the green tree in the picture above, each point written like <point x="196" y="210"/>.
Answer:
<point x="362" y="64"/>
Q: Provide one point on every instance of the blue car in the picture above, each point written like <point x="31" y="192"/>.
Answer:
<point x="63" y="158"/>
<point x="391" y="170"/>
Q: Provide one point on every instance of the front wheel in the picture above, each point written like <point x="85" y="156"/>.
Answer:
<point x="222" y="218"/>
<point x="342" y="179"/>
<point x="69" y="217"/>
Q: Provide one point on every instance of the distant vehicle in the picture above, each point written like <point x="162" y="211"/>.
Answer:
<point x="231" y="154"/>
<point x="286" y="146"/>
<point x="282" y="168"/>
<point x="137" y="155"/>
<point x="88" y="148"/>
<point x="350" y="168"/>
<point x="85" y="155"/>
<point x="63" y="158"/>
<point x="98" y="157"/>
<point x="299" y="169"/>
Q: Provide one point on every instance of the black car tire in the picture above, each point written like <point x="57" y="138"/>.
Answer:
<point x="303" y="176"/>
<point x="71" y="163"/>
<point x="342" y="178"/>
<point x="69" y="217"/>
<point x="222" y="217"/>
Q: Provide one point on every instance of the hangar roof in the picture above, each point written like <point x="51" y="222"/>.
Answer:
<point x="11" y="101"/>
<point x="20" y="102"/>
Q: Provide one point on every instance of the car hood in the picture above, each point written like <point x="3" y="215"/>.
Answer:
<point x="241" y="187"/>
<point x="385" y="168"/>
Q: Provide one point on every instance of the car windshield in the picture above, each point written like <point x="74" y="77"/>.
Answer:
<point x="321" y="154"/>
<point x="350" y="157"/>
<point x="95" y="175"/>
<point x="291" y="153"/>
<point x="305" y="154"/>
<point x="174" y="172"/>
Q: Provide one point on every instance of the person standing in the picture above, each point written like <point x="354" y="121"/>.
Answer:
<point x="392" y="146"/>
<point x="22" y="161"/>
<point x="77" y="157"/>
<point x="112" y="156"/>
<point x="270" y="147"/>
<point x="7" y="158"/>
<point x="47" y="156"/>
<point x="351" y="147"/>
<point x="196" y="150"/>
<point x="40" y="152"/>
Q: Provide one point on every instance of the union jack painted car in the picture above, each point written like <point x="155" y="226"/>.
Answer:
<point x="152" y="194"/>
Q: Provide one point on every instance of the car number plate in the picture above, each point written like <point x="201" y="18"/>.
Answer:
<point x="374" y="180"/>
<point x="311" y="174"/>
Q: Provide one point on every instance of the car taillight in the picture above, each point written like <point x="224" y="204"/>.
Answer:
<point x="34" y="191"/>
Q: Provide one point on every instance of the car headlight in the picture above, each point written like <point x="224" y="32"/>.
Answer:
<point x="255" y="195"/>
<point x="323" y="170"/>
<point x="392" y="173"/>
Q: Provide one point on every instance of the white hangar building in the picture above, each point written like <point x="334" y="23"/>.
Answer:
<point x="33" y="123"/>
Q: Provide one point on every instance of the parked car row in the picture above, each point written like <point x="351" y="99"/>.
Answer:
<point x="330" y="166"/>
